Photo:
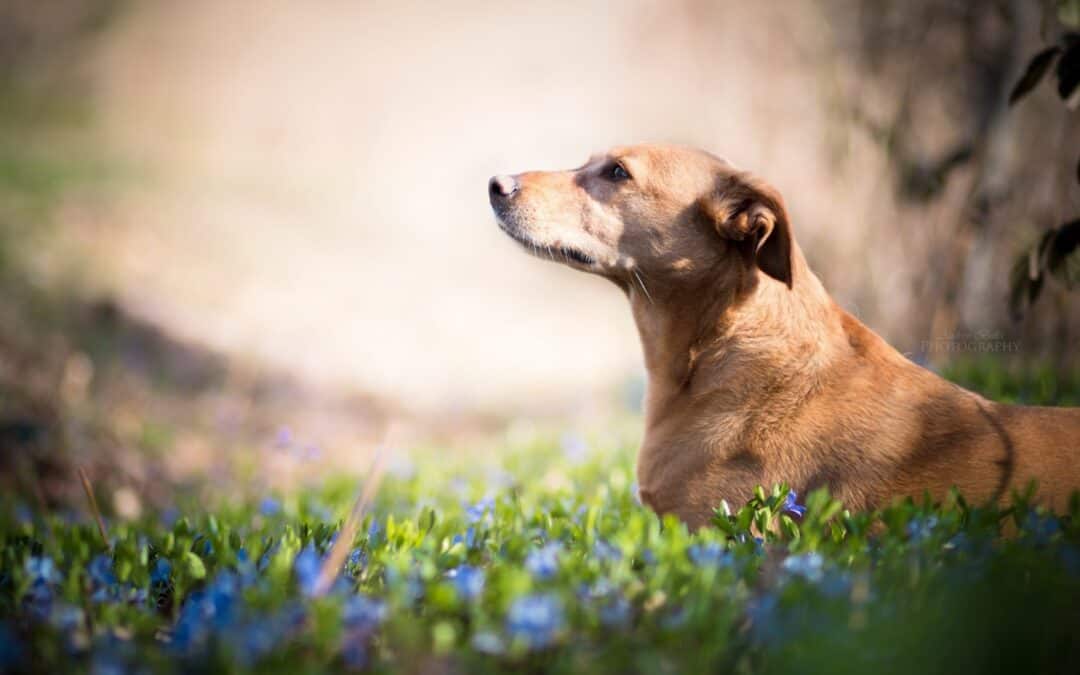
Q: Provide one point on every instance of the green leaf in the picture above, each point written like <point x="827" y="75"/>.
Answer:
<point x="194" y="566"/>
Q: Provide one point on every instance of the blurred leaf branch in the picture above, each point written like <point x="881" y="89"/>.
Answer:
<point x="1054" y="255"/>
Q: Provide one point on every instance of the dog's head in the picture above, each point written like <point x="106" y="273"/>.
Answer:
<point x="671" y="214"/>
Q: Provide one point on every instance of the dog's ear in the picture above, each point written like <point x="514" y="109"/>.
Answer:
<point x="746" y="209"/>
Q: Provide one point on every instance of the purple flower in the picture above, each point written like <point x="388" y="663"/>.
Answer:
<point x="543" y="563"/>
<point x="790" y="507"/>
<point x="535" y="620"/>
<point x="283" y="439"/>
<point x="468" y="581"/>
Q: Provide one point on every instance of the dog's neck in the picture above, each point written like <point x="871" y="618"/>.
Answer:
<point x="737" y="337"/>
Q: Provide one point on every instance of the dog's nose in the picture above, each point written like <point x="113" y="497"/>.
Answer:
<point x="502" y="187"/>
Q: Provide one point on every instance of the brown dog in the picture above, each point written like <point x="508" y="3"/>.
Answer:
<point x="756" y="376"/>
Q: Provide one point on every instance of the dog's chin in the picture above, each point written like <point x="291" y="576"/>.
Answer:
<point x="558" y="252"/>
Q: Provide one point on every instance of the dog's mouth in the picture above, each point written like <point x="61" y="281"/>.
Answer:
<point x="558" y="252"/>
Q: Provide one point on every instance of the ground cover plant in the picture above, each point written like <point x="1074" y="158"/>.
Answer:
<point x="548" y="563"/>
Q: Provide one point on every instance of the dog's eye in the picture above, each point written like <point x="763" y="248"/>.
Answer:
<point x="618" y="172"/>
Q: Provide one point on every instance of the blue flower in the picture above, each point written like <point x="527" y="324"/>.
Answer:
<point x="469" y="539"/>
<point x="269" y="507"/>
<point x="605" y="552"/>
<point x="202" y="545"/>
<point x="67" y="618"/>
<point x="675" y="619"/>
<point x="363" y="614"/>
<point x="44" y="577"/>
<point x="161" y="571"/>
<point x="766" y="619"/>
<point x="354" y="652"/>
<point x="374" y="532"/>
<point x="809" y="566"/>
<point x="356" y="561"/>
<point x="221" y="599"/>
<point x="468" y="581"/>
<point x="191" y="628"/>
<point x="615" y="612"/>
<point x="535" y="620"/>
<point x="169" y="517"/>
<point x="100" y="571"/>
<point x="306" y="566"/>
<point x="38" y="601"/>
<point x="257" y="638"/>
<point x="543" y="563"/>
<point x="648" y="557"/>
<point x="477" y="511"/>
<point x="23" y="514"/>
<point x="711" y="554"/>
<point x="206" y="611"/>
<point x="1041" y="529"/>
<point x="42" y="569"/>
<point x="108" y="664"/>
<point x="791" y="507"/>
<point x="836" y="584"/>
<point x="487" y="642"/>
<point x="921" y="529"/>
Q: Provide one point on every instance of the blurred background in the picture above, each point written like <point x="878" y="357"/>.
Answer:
<point x="238" y="234"/>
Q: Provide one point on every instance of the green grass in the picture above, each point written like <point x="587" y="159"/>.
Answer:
<point x="559" y="569"/>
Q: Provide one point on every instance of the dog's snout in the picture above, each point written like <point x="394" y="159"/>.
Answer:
<point x="501" y="188"/>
